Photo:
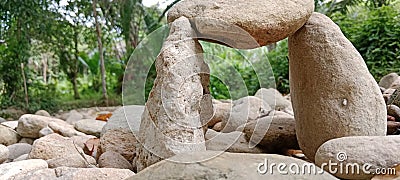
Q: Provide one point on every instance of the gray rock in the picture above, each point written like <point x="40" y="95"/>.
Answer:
<point x="8" y="136"/>
<point x="18" y="149"/>
<point x="26" y="140"/>
<point x="388" y="80"/>
<point x="60" y="151"/>
<point x="274" y="133"/>
<point x="218" y="127"/>
<point x="45" y="131"/>
<point x="376" y="151"/>
<point x="4" y="153"/>
<point x="226" y="166"/>
<point x="245" y="110"/>
<point x="42" y="113"/>
<point x="90" y="126"/>
<point x="273" y="98"/>
<point x="2" y="120"/>
<point x="65" y="173"/>
<point x="395" y="84"/>
<point x="394" y="111"/>
<point x="111" y="159"/>
<point x="222" y="112"/>
<point x="121" y="141"/>
<point x="66" y="130"/>
<point x="29" y="125"/>
<point x="234" y="142"/>
<point x="73" y="116"/>
<point x="21" y="158"/>
<point x="335" y="96"/>
<point x="11" y="124"/>
<point x="126" y="117"/>
<point x="8" y="170"/>
<point x="70" y="160"/>
<point x="244" y="24"/>
<point x="179" y="103"/>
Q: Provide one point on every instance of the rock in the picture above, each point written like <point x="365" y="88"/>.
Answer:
<point x="8" y="136"/>
<point x="393" y="128"/>
<point x="90" y="126"/>
<point x="21" y="158"/>
<point x="222" y="112"/>
<point x="58" y="151"/>
<point x="18" y="149"/>
<point x="65" y="161"/>
<point x="45" y="131"/>
<point x="179" y="102"/>
<point x="74" y="116"/>
<point x="11" y="124"/>
<point x="244" y="24"/>
<point x="123" y="115"/>
<point x="8" y="170"/>
<point x="273" y="98"/>
<point x="226" y="166"/>
<point x="377" y="151"/>
<point x="81" y="140"/>
<point x="26" y="140"/>
<point x="2" y="120"/>
<point x="66" y="130"/>
<point x="388" y="80"/>
<point x="64" y="173"/>
<point x="29" y="125"/>
<point x="245" y="110"/>
<point x="229" y="142"/>
<point x="4" y="153"/>
<point x="335" y="96"/>
<point x="121" y="141"/>
<point x="273" y="133"/>
<point x="42" y="113"/>
<point x="91" y="147"/>
<point x="111" y="159"/>
<point x="395" y="98"/>
<point x="394" y="111"/>
<point x="218" y="127"/>
<point x="395" y="84"/>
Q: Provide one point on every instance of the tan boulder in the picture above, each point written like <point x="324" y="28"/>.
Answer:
<point x="332" y="91"/>
<point x="244" y="24"/>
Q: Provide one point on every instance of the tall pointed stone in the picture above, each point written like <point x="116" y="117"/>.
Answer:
<point x="332" y="91"/>
<point x="179" y="103"/>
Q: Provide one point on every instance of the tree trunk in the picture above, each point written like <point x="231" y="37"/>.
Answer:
<point x="75" y="86"/>
<point x="100" y="45"/>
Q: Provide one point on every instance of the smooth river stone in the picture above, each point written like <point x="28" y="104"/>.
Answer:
<point x="244" y="24"/>
<point x="333" y="93"/>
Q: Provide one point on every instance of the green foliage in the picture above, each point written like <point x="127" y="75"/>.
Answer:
<point x="375" y="33"/>
<point x="278" y="58"/>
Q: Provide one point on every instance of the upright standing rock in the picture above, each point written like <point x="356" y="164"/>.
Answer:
<point x="179" y="103"/>
<point x="333" y="93"/>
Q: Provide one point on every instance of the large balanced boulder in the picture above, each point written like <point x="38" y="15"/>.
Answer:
<point x="179" y="103"/>
<point x="211" y="165"/>
<point x="332" y="91"/>
<point x="244" y="23"/>
<point x="376" y="152"/>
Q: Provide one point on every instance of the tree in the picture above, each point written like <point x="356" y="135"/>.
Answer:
<point x="100" y="44"/>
